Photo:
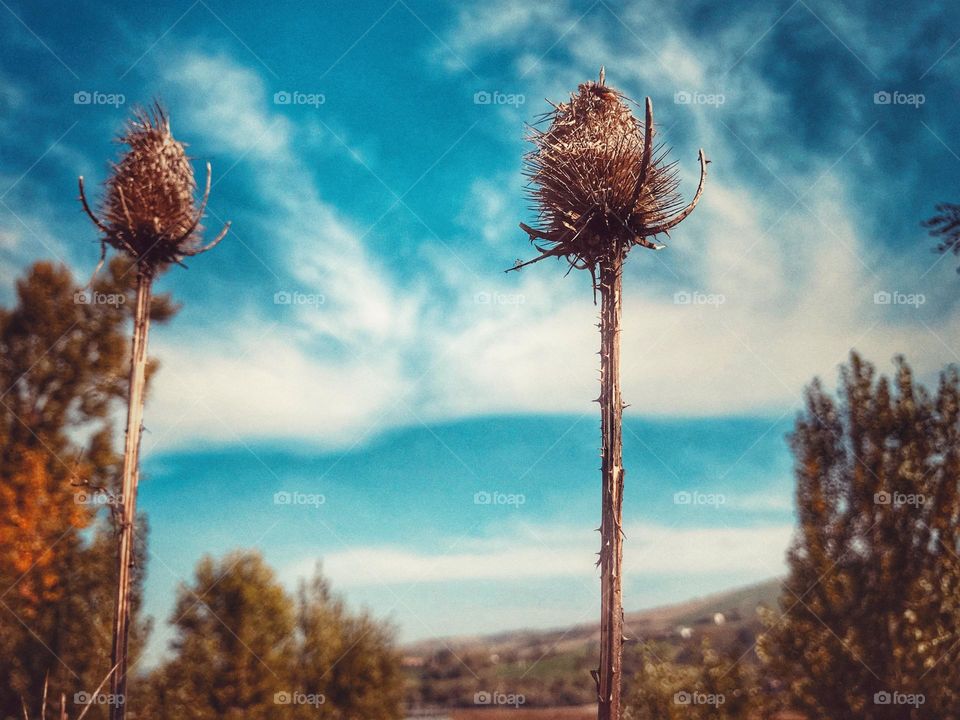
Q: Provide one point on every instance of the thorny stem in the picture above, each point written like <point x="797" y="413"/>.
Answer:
<point x="611" y="536"/>
<point x="128" y="498"/>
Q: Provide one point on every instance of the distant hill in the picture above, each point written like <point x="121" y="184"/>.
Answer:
<point x="551" y="667"/>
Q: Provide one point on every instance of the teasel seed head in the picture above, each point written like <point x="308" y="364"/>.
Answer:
<point x="599" y="182"/>
<point x="149" y="210"/>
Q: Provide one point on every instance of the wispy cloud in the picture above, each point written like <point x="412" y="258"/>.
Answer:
<point x="531" y="552"/>
<point x="793" y="286"/>
<point x="780" y="243"/>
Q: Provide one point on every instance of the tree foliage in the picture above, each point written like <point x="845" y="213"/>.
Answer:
<point x="246" y="649"/>
<point x="63" y="366"/>
<point x="870" y="614"/>
<point x="945" y="226"/>
<point x="716" y="686"/>
<point x="349" y="658"/>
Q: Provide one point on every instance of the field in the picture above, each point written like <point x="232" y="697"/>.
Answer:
<point x="551" y="668"/>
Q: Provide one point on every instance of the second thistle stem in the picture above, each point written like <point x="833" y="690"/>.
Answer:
<point x="611" y="536"/>
<point x="128" y="498"/>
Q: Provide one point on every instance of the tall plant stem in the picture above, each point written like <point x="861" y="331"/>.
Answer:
<point x="611" y="535"/>
<point x="128" y="499"/>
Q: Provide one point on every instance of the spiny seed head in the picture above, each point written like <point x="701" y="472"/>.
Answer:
<point x="599" y="184"/>
<point x="149" y="209"/>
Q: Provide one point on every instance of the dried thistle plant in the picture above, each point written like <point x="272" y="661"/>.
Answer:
<point x="601" y="186"/>
<point x="149" y="212"/>
<point x="598" y="182"/>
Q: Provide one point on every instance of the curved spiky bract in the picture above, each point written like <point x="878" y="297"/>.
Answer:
<point x="598" y="180"/>
<point x="149" y="210"/>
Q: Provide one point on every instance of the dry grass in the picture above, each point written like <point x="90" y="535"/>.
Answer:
<point x="581" y="712"/>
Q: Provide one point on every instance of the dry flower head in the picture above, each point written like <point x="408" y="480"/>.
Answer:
<point x="599" y="183"/>
<point x="149" y="209"/>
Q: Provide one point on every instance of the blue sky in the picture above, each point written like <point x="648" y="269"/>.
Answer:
<point x="409" y="373"/>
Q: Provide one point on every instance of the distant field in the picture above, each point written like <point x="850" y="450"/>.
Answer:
<point x="551" y="668"/>
<point x="567" y="713"/>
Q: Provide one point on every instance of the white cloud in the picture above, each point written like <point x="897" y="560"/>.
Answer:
<point x="9" y="239"/>
<point x="269" y="386"/>
<point x="530" y="552"/>
<point x="261" y="375"/>
<point x="790" y="310"/>
<point x="26" y="233"/>
<point x="12" y="98"/>
<point x="497" y="23"/>
<point x="229" y="102"/>
<point x="318" y="250"/>
<point x="797" y="283"/>
<point x="490" y="203"/>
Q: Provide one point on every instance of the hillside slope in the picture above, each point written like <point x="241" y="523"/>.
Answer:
<point x="552" y="667"/>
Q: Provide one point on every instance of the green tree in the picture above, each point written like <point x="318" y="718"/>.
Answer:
<point x="348" y="658"/>
<point x="870" y="613"/>
<point x="245" y="649"/>
<point x="63" y="359"/>
<point x="717" y="686"/>
<point x="234" y="644"/>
